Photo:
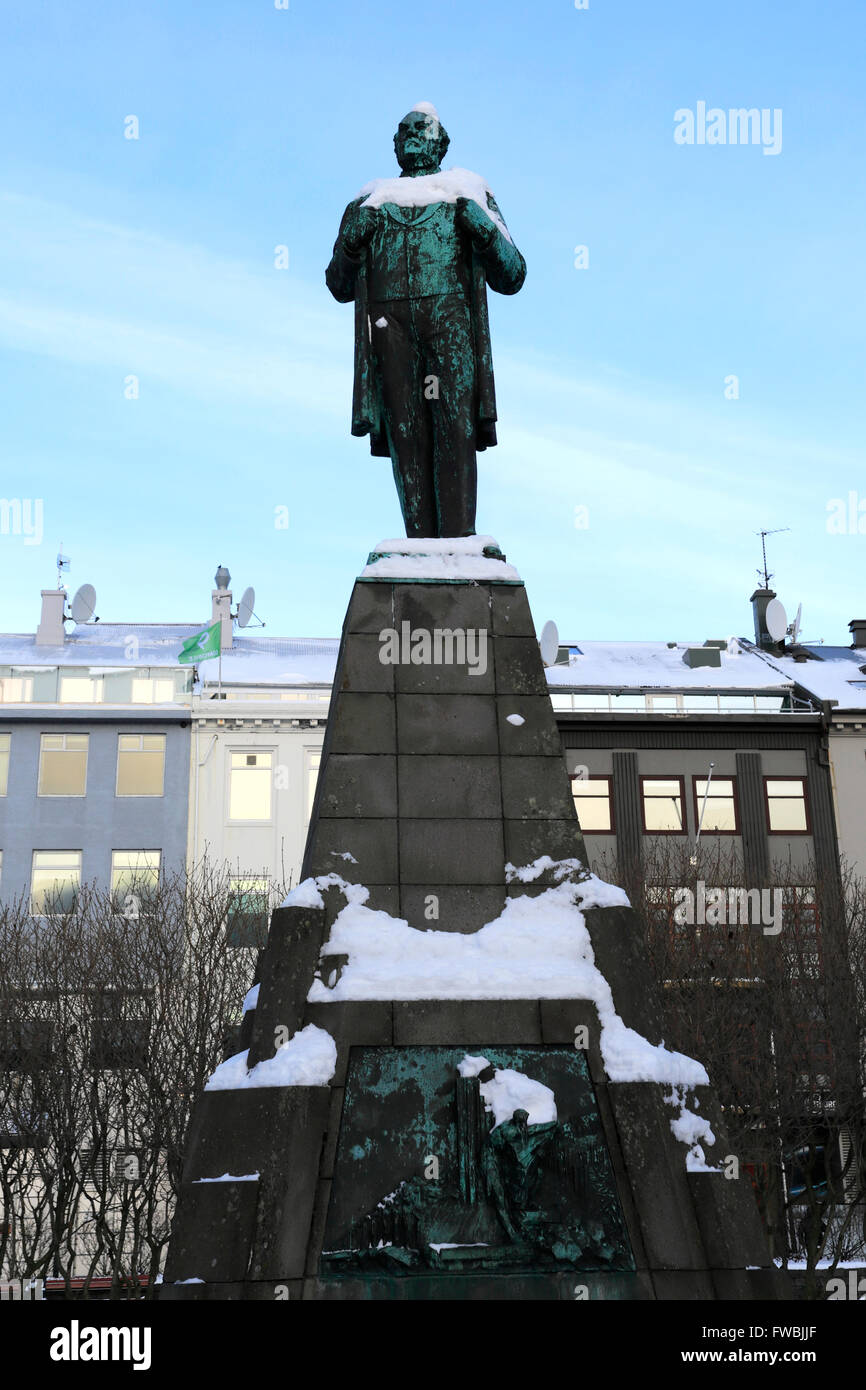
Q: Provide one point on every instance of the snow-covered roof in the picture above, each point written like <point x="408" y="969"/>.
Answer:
<point x="252" y="660"/>
<point x="835" y="674"/>
<point x="101" y="644"/>
<point x="276" y="661"/>
<point x="636" y="666"/>
<point x="269" y="662"/>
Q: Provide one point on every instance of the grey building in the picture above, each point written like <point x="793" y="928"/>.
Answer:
<point x="833" y="678"/>
<point x="94" y="756"/>
<point x="667" y="741"/>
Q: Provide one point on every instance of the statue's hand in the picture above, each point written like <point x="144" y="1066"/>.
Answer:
<point x="475" y="222"/>
<point x="359" y="232"/>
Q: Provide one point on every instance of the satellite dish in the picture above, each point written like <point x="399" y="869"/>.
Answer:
<point x="245" y="607"/>
<point x="84" y="604"/>
<point x="776" y="619"/>
<point x="794" y="629"/>
<point x="549" y="643"/>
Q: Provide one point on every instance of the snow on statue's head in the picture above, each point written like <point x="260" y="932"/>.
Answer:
<point x="421" y="140"/>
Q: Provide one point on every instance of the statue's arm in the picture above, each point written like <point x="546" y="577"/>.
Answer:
<point x="504" y="267"/>
<point x="342" y="273"/>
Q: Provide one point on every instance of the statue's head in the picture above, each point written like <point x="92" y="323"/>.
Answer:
<point x="421" y="140"/>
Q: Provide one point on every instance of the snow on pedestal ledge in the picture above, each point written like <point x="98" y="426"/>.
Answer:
<point x="457" y="557"/>
<point x="538" y="948"/>
<point x="307" y="1059"/>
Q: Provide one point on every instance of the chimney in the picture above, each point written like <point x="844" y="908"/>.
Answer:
<point x="857" y="629"/>
<point x="760" y="599"/>
<point x="221" y="607"/>
<point x="51" y="632"/>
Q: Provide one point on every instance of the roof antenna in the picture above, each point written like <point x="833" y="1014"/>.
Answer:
<point x="63" y="563"/>
<point x="764" y="574"/>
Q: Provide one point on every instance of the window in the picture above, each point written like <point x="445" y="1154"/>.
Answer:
<point x="152" y="692"/>
<point x="80" y="690"/>
<point x="313" y="762"/>
<point x="247" y="923"/>
<point x="801" y="933"/>
<point x="5" y="741"/>
<point x="720" y="814"/>
<point x="63" y="764"/>
<point x="662" y="801"/>
<point x="590" y="702"/>
<point x="134" y="874"/>
<point x="786" y="805"/>
<point x="737" y="704"/>
<point x="111" y="1168"/>
<point x="120" y="1030"/>
<point x="618" y="703"/>
<point x="140" y="764"/>
<point x="16" y="690"/>
<point x="25" y="1044"/>
<point x="593" y="803"/>
<point x="250" y="782"/>
<point x="54" y="881"/>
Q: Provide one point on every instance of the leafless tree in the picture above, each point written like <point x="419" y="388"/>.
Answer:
<point x="769" y="992"/>
<point x="112" y="1016"/>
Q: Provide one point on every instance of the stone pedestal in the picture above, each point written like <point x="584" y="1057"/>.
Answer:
<point x="441" y="767"/>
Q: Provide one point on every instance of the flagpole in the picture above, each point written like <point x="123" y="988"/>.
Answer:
<point x="220" y="677"/>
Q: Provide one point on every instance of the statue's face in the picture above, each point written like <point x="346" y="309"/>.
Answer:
<point x="419" y="144"/>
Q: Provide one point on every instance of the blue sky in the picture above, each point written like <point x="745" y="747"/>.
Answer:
<point x="155" y="258"/>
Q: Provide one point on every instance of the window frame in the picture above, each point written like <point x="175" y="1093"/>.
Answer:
<point x="149" y="733"/>
<point x="596" y="777"/>
<point x="244" y="751"/>
<point x="662" y="777"/>
<point x="111" y="871"/>
<point x="265" y="887"/>
<point x="311" y="780"/>
<point x="4" y="781"/>
<point x="696" y="803"/>
<point x="33" y="854"/>
<point x="97" y="684"/>
<point x="64" y="734"/>
<point x="783" y="777"/>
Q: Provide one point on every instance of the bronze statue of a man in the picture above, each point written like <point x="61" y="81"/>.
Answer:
<point x="416" y="253"/>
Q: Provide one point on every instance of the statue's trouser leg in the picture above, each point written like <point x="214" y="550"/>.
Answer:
<point x="444" y="324"/>
<point x="407" y="418"/>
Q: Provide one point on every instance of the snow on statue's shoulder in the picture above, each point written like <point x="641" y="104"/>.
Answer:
<point x="444" y="187"/>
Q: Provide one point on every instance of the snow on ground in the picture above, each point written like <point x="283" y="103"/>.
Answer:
<point x="307" y="1059"/>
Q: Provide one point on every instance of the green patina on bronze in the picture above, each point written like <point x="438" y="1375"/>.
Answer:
<point x="425" y="1183"/>
<point x="424" y="389"/>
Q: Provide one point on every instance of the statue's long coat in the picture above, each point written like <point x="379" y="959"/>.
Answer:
<point x="500" y="265"/>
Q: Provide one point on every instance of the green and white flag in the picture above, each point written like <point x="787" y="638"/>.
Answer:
<point x="201" y="647"/>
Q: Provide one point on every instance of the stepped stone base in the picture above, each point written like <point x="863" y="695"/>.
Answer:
<point x="392" y="1181"/>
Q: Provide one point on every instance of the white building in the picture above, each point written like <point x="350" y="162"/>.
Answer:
<point x="257" y="735"/>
